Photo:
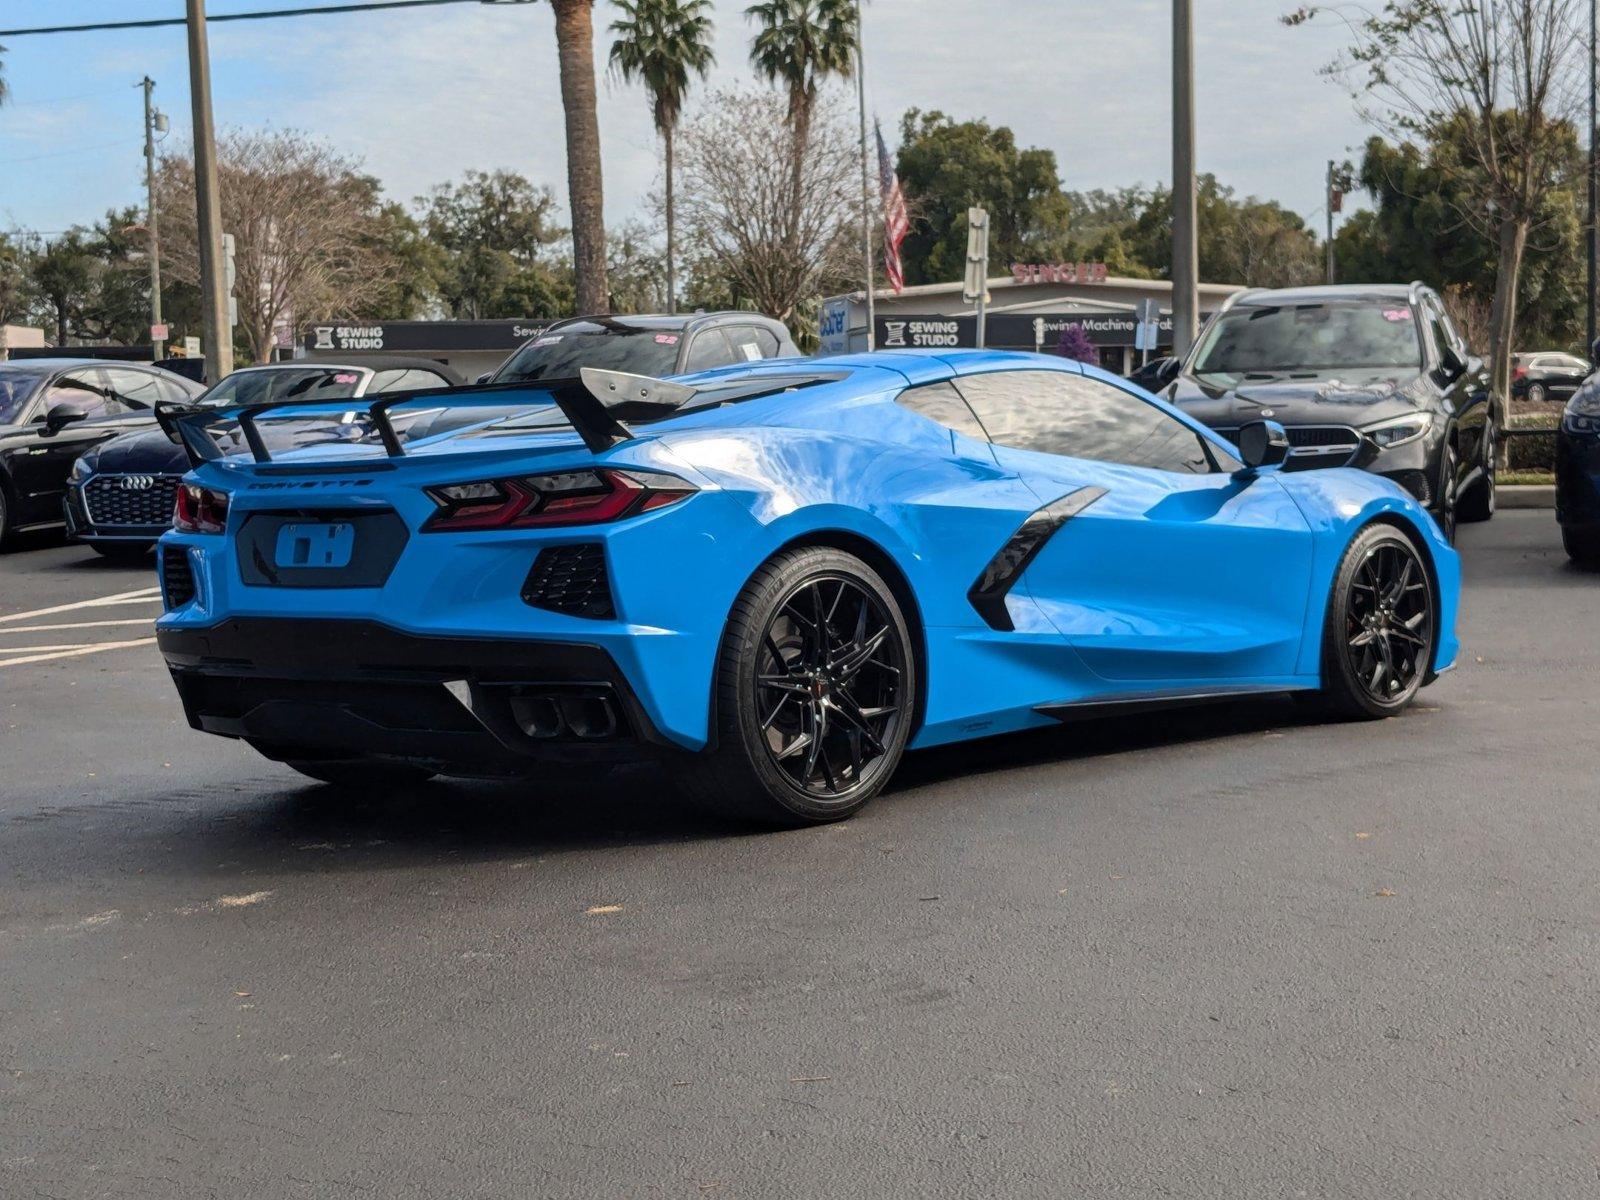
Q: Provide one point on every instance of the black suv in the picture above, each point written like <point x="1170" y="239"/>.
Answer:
<point x="1373" y="376"/>
<point x="54" y="409"/>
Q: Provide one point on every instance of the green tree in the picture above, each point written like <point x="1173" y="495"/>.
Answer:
<point x="798" y="46"/>
<point x="493" y="230"/>
<point x="15" y="292"/>
<point x="62" y="272"/>
<point x="585" y="193"/>
<point x="946" y="166"/>
<point x="1255" y="242"/>
<point x="662" y="43"/>
<point x="5" y="88"/>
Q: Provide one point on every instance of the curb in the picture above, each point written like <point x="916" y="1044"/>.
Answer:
<point x="1525" y="495"/>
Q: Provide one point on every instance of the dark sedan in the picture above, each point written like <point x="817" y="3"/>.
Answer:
<point x="54" y="409"/>
<point x="120" y="496"/>
<point x="1578" y="475"/>
<point x="1547" y="376"/>
<point x="1370" y="376"/>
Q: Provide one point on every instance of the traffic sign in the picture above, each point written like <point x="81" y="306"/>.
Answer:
<point x="158" y="333"/>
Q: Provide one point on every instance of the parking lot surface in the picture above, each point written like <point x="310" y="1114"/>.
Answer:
<point x="1213" y="953"/>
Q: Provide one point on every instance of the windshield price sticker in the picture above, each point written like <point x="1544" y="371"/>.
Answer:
<point x="666" y="339"/>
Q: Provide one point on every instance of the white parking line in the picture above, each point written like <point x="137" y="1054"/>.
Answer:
<point x="151" y="595"/>
<point x="74" y="625"/>
<point x="74" y="653"/>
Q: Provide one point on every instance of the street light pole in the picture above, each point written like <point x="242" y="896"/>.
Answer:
<point x="1185" y="246"/>
<point x="208" y="204"/>
<point x="1328" y="200"/>
<point x="157" y="345"/>
<point x="866" y="185"/>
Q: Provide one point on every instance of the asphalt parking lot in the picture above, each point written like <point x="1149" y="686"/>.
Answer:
<point x="1217" y="953"/>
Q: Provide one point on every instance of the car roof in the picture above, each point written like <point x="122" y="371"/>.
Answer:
<point x="58" y="364"/>
<point x="667" y="320"/>
<point x="1326" y="293"/>
<point x="367" y="362"/>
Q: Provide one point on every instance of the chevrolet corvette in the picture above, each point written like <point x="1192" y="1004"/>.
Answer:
<point x="775" y="578"/>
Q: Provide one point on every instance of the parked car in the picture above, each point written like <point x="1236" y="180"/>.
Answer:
<point x="1156" y="374"/>
<point x="54" y="409"/>
<point x="120" y="496"/>
<point x="1578" y="475"/>
<point x="1361" y="375"/>
<point x="1550" y="375"/>
<point x="649" y="344"/>
<point x="774" y="578"/>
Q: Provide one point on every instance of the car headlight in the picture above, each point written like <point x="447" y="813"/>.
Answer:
<point x="1400" y="430"/>
<point x="83" y="468"/>
<point x="1582" y="414"/>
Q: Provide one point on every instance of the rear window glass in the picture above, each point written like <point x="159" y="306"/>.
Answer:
<point x="1374" y="334"/>
<point x="561" y="353"/>
<point x="285" y="386"/>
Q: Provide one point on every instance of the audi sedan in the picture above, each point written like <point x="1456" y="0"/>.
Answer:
<point x="120" y="495"/>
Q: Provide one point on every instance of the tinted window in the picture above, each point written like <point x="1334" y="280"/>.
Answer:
<point x="284" y="385"/>
<point x="1262" y="337"/>
<point x="942" y="403"/>
<point x="751" y="343"/>
<point x="709" y="349"/>
<point x="137" y="388"/>
<point x="171" y="390"/>
<point x="16" y="386"/>
<point x="85" y="390"/>
<point x="613" y="345"/>
<point x="1056" y="413"/>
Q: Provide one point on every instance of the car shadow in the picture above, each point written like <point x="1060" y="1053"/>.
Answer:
<point x="637" y="806"/>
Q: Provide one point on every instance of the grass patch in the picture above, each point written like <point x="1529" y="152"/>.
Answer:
<point x="1529" y="477"/>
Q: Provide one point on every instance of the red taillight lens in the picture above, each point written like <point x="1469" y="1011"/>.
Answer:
<point x="1519" y="372"/>
<point x="200" y="510"/>
<point x="562" y="498"/>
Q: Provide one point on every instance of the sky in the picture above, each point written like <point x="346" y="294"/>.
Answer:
<point x="421" y="96"/>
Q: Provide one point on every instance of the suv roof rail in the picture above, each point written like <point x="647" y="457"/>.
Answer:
<point x="1235" y="297"/>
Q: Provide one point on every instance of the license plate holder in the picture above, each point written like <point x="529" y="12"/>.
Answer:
<point x="315" y="545"/>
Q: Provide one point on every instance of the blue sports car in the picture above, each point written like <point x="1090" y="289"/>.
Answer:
<point x="775" y="578"/>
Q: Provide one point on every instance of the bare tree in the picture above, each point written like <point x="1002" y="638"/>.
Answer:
<point x="1497" y="78"/>
<point x="306" y="226"/>
<point x="736" y="200"/>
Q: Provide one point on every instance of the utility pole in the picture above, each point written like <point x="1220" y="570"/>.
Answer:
<point x="1330" y="207"/>
<point x="151" y="117"/>
<point x="866" y="186"/>
<point x="1594" y="166"/>
<point x="1185" y="241"/>
<point x="218" y="347"/>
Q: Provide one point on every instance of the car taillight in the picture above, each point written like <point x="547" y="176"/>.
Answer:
<point x="200" y="510"/>
<point x="560" y="498"/>
<point x="1519" y="372"/>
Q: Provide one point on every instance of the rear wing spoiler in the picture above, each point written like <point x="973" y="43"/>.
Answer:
<point x="596" y="405"/>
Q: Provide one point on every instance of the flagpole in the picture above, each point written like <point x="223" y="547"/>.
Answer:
<point x="866" y="185"/>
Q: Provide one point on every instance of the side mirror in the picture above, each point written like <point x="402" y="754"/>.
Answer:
<point x="484" y="378"/>
<point x="61" y="415"/>
<point x="1451" y="365"/>
<point x="1263" y="444"/>
<point x="1167" y="372"/>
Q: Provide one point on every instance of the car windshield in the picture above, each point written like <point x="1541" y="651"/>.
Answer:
<point x="16" y="386"/>
<point x="613" y="346"/>
<point x="285" y="385"/>
<point x="1260" y="338"/>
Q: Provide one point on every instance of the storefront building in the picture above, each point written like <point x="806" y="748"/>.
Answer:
<point x="472" y="348"/>
<point x="1027" y="310"/>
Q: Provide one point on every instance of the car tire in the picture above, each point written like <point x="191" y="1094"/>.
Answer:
<point x="1478" y="504"/>
<point x="123" y="554"/>
<point x="360" y="775"/>
<point x="1380" y="631"/>
<point x="1536" y="393"/>
<point x="814" y="694"/>
<point x="6" y="529"/>
<point x="1582" y="547"/>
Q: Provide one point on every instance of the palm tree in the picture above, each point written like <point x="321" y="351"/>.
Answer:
<point x="5" y="90"/>
<point x="575" y="45"/>
<point x="798" y="44"/>
<point x="660" y="42"/>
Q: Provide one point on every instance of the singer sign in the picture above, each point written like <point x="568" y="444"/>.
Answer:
<point x="1071" y="272"/>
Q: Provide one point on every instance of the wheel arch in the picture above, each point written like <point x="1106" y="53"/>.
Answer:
<point x="881" y="561"/>
<point x="1402" y="524"/>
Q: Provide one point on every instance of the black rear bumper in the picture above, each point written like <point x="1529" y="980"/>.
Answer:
<point x="329" y="688"/>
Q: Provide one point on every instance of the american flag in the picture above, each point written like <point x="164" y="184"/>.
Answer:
<point x="895" y="221"/>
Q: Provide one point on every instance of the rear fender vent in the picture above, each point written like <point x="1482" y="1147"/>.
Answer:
<point x="177" y="577"/>
<point x="573" y="580"/>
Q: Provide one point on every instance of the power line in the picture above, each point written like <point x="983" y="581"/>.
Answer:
<point x="321" y="10"/>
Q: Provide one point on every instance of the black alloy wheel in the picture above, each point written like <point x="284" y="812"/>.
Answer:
<point x="828" y="685"/>
<point x="1382" y="626"/>
<point x="815" y="694"/>
<point x="1479" y="503"/>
